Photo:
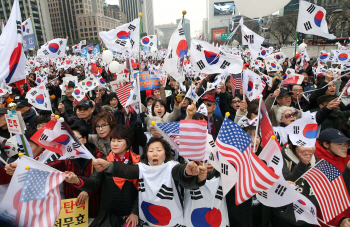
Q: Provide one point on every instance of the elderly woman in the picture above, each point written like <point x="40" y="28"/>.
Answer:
<point x="285" y="116"/>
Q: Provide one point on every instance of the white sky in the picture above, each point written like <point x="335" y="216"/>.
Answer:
<point x="167" y="11"/>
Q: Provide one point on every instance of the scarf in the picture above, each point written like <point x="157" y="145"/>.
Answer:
<point x="120" y="181"/>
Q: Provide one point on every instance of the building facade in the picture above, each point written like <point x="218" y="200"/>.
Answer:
<point x="113" y="11"/>
<point x="168" y="30"/>
<point x="79" y="19"/>
<point x="39" y="11"/>
<point x="132" y="8"/>
<point x="187" y="28"/>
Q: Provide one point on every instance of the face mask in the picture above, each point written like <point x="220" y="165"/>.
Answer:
<point x="160" y="164"/>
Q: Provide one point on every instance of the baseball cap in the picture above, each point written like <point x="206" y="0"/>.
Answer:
<point x="284" y="92"/>
<point x="85" y="103"/>
<point x="325" y="98"/>
<point x="149" y="97"/>
<point x="21" y="101"/>
<point x="332" y="135"/>
<point x="3" y="110"/>
<point x="208" y="97"/>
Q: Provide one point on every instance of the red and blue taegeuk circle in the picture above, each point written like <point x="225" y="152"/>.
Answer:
<point x="145" y="40"/>
<point x="102" y="81"/>
<point x="250" y="85"/>
<point x="318" y="18"/>
<point x="206" y="217"/>
<point x="14" y="60"/>
<point x="89" y="83"/>
<point x="343" y="57"/>
<point x="23" y="28"/>
<point x="182" y="48"/>
<point x="310" y="131"/>
<point x="211" y="57"/>
<point x="323" y="56"/>
<point x="40" y="99"/>
<point x="53" y="47"/>
<point x="157" y="215"/>
<point x="273" y="65"/>
<point x="62" y="139"/>
<point x="263" y="52"/>
<point x="301" y="202"/>
<point x="77" y="92"/>
<point x="123" y="35"/>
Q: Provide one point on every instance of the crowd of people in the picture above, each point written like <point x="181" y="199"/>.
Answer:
<point x="138" y="177"/>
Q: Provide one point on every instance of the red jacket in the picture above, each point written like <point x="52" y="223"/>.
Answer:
<point x="340" y="164"/>
<point x="72" y="192"/>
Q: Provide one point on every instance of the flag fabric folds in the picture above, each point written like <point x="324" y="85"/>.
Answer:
<point x="15" y="211"/>
<point x="13" y="60"/>
<point x="55" y="138"/>
<point x="39" y="97"/>
<point x="253" y="175"/>
<point x="123" y="93"/>
<point x="53" y="49"/>
<point x="329" y="187"/>
<point x="193" y="139"/>
<point x="29" y="40"/>
<point x="312" y="20"/>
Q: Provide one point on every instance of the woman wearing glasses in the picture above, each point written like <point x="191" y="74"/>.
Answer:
<point x="285" y="116"/>
<point x="103" y="123"/>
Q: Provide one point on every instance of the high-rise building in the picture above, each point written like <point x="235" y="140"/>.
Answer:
<point x="187" y="28"/>
<point x="114" y="11"/>
<point x="79" y="19"/>
<point x="38" y="10"/>
<point x="168" y="30"/>
<point x="132" y="8"/>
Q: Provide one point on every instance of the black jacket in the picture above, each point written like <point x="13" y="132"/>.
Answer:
<point x="121" y="118"/>
<point x="30" y="118"/>
<point x="68" y="105"/>
<point x="88" y="125"/>
<point x="115" y="202"/>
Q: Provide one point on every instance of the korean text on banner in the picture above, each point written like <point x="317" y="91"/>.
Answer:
<point x="73" y="215"/>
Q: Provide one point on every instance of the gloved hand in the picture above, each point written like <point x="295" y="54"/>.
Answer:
<point x="178" y="99"/>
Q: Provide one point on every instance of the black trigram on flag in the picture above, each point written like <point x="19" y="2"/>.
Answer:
<point x="53" y="157"/>
<point x="6" y="215"/>
<point x="43" y="137"/>
<point x="76" y="145"/>
<point x="170" y="54"/>
<point x="212" y="143"/>
<point x="141" y="185"/>
<point x="297" y="209"/>
<point x="311" y="9"/>
<point x="120" y="42"/>
<point x="307" y="26"/>
<point x="275" y="160"/>
<point x="249" y="38"/>
<point x="181" y="31"/>
<point x="131" y="27"/>
<point x="225" y="64"/>
<point x="263" y="194"/>
<point x="224" y="168"/>
<point x="20" y="148"/>
<point x="33" y="93"/>
<point x="196" y="194"/>
<point x="178" y="225"/>
<point x="200" y="64"/>
<point x="280" y="190"/>
<point x="219" y="194"/>
<point x="211" y="157"/>
<point x="296" y="129"/>
<point x="165" y="193"/>
<point x="301" y="143"/>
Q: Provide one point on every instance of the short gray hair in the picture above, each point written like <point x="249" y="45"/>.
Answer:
<point x="281" y="110"/>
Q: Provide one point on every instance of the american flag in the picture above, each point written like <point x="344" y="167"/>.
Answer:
<point x="40" y="200"/>
<point x="171" y="129"/>
<point x="253" y="175"/>
<point x="90" y="46"/>
<point x="236" y="81"/>
<point x="328" y="184"/>
<point x="193" y="139"/>
<point x="123" y="93"/>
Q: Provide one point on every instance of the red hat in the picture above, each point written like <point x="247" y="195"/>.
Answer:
<point x="208" y="97"/>
<point x="149" y="97"/>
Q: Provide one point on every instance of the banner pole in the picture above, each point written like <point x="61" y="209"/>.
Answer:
<point x="138" y="81"/>
<point x="36" y="40"/>
<point x="296" y="44"/>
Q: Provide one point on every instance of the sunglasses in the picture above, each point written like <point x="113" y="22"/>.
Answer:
<point x="290" y="115"/>
<point x="235" y="101"/>
<point x="208" y="104"/>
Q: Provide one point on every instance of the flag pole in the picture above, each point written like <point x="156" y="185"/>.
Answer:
<point x="138" y="81"/>
<point x="257" y="123"/>
<point x="36" y="40"/>
<point x="296" y="44"/>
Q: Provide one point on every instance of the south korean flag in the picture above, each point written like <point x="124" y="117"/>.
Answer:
<point x="304" y="131"/>
<point x="208" y="59"/>
<point x="53" y="49"/>
<point x="340" y="56"/>
<point x="264" y="52"/>
<point x="251" y="39"/>
<point x="312" y="20"/>
<point x="79" y="93"/>
<point x="272" y="66"/>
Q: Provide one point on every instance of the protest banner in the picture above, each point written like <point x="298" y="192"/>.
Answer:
<point x="147" y="81"/>
<point x="73" y="215"/>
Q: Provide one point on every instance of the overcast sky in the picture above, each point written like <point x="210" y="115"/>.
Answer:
<point x="166" y="12"/>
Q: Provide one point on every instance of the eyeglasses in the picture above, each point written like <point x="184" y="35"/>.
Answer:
<point x="235" y="101"/>
<point x="208" y="104"/>
<point x="99" y="90"/>
<point x="101" y="126"/>
<point x="290" y="115"/>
